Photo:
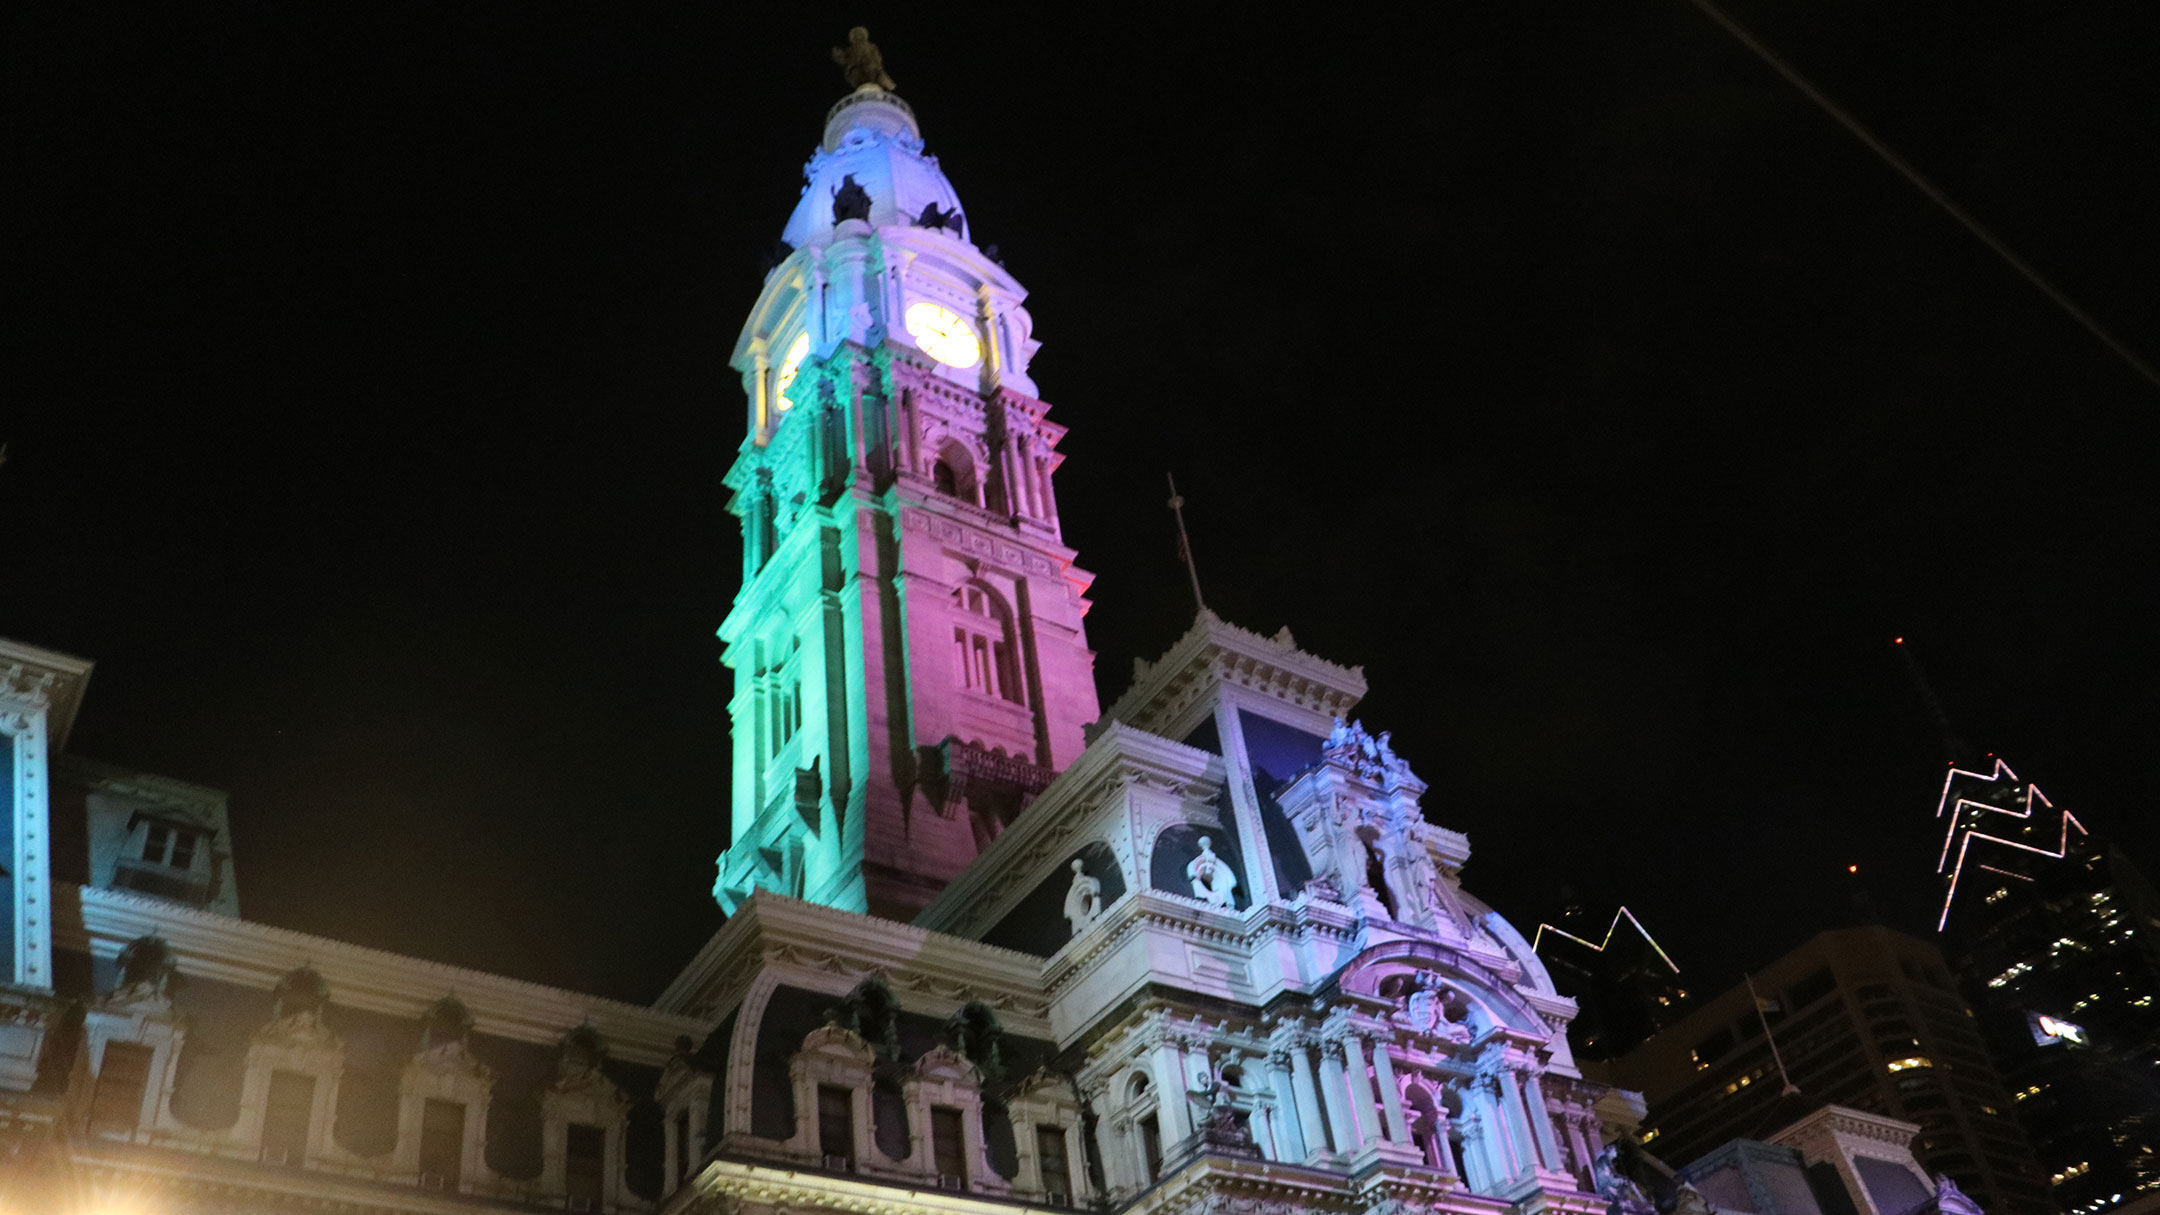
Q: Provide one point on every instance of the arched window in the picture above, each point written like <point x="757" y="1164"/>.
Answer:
<point x="983" y="643"/>
<point x="954" y="472"/>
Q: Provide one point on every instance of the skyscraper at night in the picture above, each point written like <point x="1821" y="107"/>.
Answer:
<point x="1867" y="1018"/>
<point x="990" y="945"/>
<point x="2062" y="964"/>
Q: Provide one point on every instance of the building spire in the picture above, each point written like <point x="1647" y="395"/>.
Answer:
<point x="1184" y="542"/>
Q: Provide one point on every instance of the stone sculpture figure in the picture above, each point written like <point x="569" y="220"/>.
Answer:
<point x="850" y="201"/>
<point x="1622" y="1196"/>
<point x="1083" y="899"/>
<point x="860" y="61"/>
<point x="149" y="971"/>
<point x="1211" y="879"/>
<point x="942" y="220"/>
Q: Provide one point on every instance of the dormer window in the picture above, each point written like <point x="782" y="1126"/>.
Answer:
<point x="170" y="846"/>
<point x="164" y="863"/>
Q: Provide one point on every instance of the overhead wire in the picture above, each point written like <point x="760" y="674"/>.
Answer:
<point x="1928" y="188"/>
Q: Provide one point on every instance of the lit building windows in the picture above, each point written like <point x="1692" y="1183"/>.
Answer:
<point x="1910" y="1062"/>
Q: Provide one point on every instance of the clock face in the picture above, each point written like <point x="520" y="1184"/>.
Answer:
<point x="785" y="379"/>
<point x="943" y="335"/>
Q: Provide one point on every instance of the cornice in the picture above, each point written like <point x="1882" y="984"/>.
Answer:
<point x="46" y="679"/>
<point x="774" y="930"/>
<point x="727" y="1182"/>
<point x="1844" y="1120"/>
<point x="100" y="922"/>
<point x="102" y="777"/>
<point x="1215" y="650"/>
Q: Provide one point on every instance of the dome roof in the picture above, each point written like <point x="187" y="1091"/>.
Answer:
<point x="871" y="136"/>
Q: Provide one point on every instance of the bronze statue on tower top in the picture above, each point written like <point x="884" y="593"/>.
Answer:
<point x="860" y="62"/>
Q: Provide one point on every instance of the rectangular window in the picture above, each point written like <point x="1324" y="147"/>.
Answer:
<point x="584" y="1165"/>
<point x="123" y="1076"/>
<point x="154" y="841"/>
<point x="685" y="1155"/>
<point x="183" y="850"/>
<point x="1151" y="1147"/>
<point x="442" y="1143"/>
<point x="947" y="1144"/>
<point x="1050" y="1152"/>
<point x="836" y="1121"/>
<point x="286" y="1116"/>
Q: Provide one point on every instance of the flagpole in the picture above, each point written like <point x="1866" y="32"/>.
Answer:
<point x="1762" y="1016"/>
<point x="1184" y="543"/>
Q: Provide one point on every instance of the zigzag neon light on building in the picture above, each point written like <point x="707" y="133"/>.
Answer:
<point x="1956" y="811"/>
<point x="1614" y="927"/>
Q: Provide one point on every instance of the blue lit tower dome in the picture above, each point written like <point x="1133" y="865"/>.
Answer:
<point x="881" y="253"/>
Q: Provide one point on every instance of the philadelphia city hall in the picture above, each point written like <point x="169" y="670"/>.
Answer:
<point x="991" y="945"/>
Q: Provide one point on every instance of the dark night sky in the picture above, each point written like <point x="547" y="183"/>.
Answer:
<point x="367" y="405"/>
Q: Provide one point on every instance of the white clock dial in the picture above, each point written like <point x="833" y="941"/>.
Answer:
<point x="943" y="334"/>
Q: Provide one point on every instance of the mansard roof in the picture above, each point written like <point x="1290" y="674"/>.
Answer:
<point x="99" y="922"/>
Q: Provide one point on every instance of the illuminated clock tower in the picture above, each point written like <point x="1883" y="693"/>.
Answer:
<point x="909" y="657"/>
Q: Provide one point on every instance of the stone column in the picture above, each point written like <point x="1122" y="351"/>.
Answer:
<point x="1580" y="1137"/>
<point x="1337" y="1095"/>
<point x="1290" y="1120"/>
<point x="1362" y="1114"/>
<point x="1541" y="1127"/>
<point x="1166" y="1061"/>
<point x="1481" y="1163"/>
<point x="1306" y="1092"/>
<point x="1522" y="1150"/>
<point x="1446" y="1149"/>
<point x="1398" y="1127"/>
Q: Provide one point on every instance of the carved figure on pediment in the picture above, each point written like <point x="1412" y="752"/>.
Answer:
<point x="296" y="1011"/>
<point x="579" y="1055"/>
<point x="974" y="1031"/>
<point x="1083" y="899"/>
<point x="1622" y="1196"/>
<point x="1210" y="876"/>
<point x="149" y="973"/>
<point x="445" y="1023"/>
<point x="873" y="1013"/>
<point x="299" y="992"/>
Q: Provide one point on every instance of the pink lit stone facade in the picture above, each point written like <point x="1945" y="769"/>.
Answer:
<point x="910" y="661"/>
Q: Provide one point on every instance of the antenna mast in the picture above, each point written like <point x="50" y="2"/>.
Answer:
<point x="1184" y="543"/>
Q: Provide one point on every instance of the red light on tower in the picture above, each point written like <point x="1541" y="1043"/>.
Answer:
<point x="1852" y="868"/>
<point x="1899" y="641"/>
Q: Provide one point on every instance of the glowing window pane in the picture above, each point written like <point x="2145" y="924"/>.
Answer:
<point x="942" y="334"/>
<point x="788" y="367"/>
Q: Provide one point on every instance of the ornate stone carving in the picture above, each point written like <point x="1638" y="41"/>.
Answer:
<point x="149" y="974"/>
<point x="1083" y="899"/>
<point x="1211" y="879"/>
<point x="1373" y="759"/>
<point x="1616" y="1187"/>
